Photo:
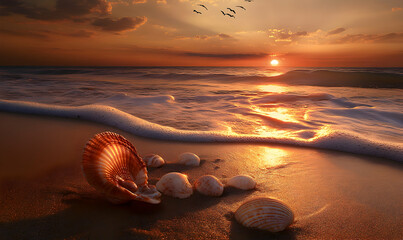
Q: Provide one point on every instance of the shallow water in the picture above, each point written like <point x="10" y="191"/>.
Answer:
<point x="355" y="110"/>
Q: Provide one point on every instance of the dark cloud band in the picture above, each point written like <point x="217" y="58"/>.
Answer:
<point x="119" y="25"/>
<point x="336" y="31"/>
<point x="95" y="11"/>
<point x="226" y="56"/>
<point x="63" y="9"/>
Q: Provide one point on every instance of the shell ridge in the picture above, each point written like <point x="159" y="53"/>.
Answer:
<point x="109" y="157"/>
<point x="265" y="213"/>
<point x="120" y="160"/>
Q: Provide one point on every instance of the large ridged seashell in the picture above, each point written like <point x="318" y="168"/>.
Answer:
<point x="209" y="185"/>
<point x="175" y="184"/>
<point x="154" y="160"/>
<point x="112" y="166"/>
<point x="265" y="213"/>
<point x="243" y="182"/>
<point x="189" y="159"/>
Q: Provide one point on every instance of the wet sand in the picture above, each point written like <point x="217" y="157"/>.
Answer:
<point x="44" y="195"/>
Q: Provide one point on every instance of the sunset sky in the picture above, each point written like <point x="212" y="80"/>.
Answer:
<point x="170" y="33"/>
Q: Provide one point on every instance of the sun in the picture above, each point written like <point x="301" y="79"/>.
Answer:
<point x="274" y="62"/>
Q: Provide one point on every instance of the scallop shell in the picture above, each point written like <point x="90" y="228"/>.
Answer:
<point x="209" y="185"/>
<point x="154" y="160"/>
<point x="189" y="159"/>
<point x="112" y="166"/>
<point x="265" y="214"/>
<point x="243" y="182"/>
<point x="175" y="184"/>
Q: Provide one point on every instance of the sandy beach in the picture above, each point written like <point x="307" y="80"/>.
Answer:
<point x="44" y="195"/>
<point x="304" y="97"/>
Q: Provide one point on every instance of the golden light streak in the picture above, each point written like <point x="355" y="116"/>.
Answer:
<point x="273" y="88"/>
<point x="280" y="113"/>
<point x="272" y="157"/>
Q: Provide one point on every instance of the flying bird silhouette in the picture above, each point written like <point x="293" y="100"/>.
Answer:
<point x="241" y="7"/>
<point x="232" y="10"/>
<point x="224" y="13"/>
<point x="201" y="5"/>
<point x="248" y="0"/>
<point x="197" y="12"/>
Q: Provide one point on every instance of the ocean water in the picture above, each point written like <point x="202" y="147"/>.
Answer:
<point x="357" y="110"/>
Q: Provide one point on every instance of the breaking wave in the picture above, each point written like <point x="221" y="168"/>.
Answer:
<point x="334" y="140"/>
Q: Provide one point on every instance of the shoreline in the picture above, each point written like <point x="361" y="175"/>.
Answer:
<point x="44" y="194"/>
<point x="345" y="142"/>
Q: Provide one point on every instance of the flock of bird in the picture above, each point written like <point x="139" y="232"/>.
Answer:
<point x="232" y="14"/>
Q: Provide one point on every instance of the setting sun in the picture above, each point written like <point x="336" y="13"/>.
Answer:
<point x="274" y="62"/>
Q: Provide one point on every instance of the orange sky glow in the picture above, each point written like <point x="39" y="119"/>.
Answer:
<point x="342" y="33"/>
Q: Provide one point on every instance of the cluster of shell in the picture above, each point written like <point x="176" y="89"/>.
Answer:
<point x="187" y="158"/>
<point x="177" y="185"/>
<point x="112" y="166"/>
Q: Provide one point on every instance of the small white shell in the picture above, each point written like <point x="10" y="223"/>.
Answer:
<point x="189" y="159"/>
<point x="265" y="214"/>
<point x="154" y="160"/>
<point x="209" y="185"/>
<point x="175" y="184"/>
<point x="243" y="182"/>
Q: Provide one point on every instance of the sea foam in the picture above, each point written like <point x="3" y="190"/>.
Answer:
<point x="333" y="140"/>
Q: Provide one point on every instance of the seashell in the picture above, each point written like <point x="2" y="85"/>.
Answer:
<point x="243" y="182"/>
<point x="265" y="214"/>
<point x="209" y="185"/>
<point x="112" y="166"/>
<point x="175" y="184"/>
<point x="154" y="160"/>
<point x="189" y="159"/>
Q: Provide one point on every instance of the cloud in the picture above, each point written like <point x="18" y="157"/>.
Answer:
<point x="78" y="34"/>
<point x="164" y="28"/>
<point x="83" y="7"/>
<point x="390" y="37"/>
<point x="220" y="36"/>
<point x="127" y="2"/>
<point x="96" y="12"/>
<point x="75" y="34"/>
<point x="62" y="10"/>
<point x="395" y="9"/>
<point x="284" y="35"/>
<point x="299" y="34"/>
<point x="46" y="34"/>
<point x="336" y="31"/>
<point x="371" y="38"/>
<point x="120" y="24"/>
<point x="226" y="55"/>
<point x="30" y="34"/>
<point x="224" y="36"/>
<point x="176" y="52"/>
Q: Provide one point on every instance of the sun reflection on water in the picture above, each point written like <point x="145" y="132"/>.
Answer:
<point x="272" y="157"/>
<point x="272" y="88"/>
<point x="280" y="113"/>
<point x="266" y="131"/>
<point x="323" y="131"/>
